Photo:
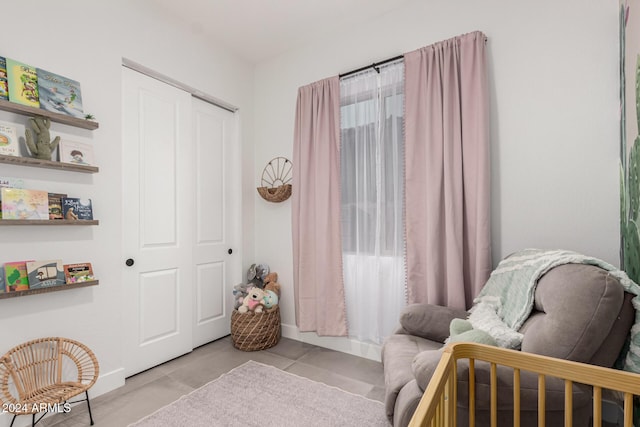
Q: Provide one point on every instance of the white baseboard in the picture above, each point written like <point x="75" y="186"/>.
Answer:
<point x="343" y="344"/>
<point x="107" y="382"/>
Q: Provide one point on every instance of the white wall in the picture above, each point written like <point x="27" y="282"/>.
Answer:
<point x="86" y="41"/>
<point x="554" y="119"/>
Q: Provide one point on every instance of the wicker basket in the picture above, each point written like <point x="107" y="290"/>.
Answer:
<point x="255" y="331"/>
<point x="276" y="194"/>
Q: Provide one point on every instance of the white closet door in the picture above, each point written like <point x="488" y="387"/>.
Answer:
<point x="182" y="221"/>
<point x="158" y="199"/>
<point x="217" y="222"/>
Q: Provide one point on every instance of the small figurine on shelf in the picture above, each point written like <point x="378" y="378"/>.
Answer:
<point x="42" y="147"/>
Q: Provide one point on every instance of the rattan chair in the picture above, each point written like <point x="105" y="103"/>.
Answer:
<point x="43" y="374"/>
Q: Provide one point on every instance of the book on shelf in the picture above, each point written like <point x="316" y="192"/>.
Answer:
<point x="59" y="94"/>
<point x="15" y="276"/>
<point x="45" y="274"/>
<point x="9" y="140"/>
<point x="9" y="182"/>
<point x="23" y="83"/>
<point x="20" y="203"/>
<point x="74" y="208"/>
<point x="6" y="182"/>
<point x="78" y="273"/>
<point x="4" y="84"/>
<point x="55" y="205"/>
<point x="78" y="153"/>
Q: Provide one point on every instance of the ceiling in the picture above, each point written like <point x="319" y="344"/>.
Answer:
<point x="256" y="30"/>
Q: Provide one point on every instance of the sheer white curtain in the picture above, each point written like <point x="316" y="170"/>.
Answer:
<point x="371" y="169"/>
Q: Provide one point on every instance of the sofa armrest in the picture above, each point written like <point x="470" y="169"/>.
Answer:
<point x="425" y="363"/>
<point x="429" y="321"/>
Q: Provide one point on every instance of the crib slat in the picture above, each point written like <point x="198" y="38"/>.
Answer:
<point x="450" y="401"/>
<point x="541" y="400"/>
<point x="472" y="393"/>
<point x="516" y="397"/>
<point x="494" y="395"/>
<point x="568" y="403"/>
<point x="628" y="410"/>
<point x="441" y="408"/>
<point x="597" y="406"/>
<point x="453" y="399"/>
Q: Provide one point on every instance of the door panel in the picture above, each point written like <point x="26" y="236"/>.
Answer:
<point x="217" y="224"/>
<point x="159" y="134"/>
<point x="159" y="306"/>
<point x="210" y="138"/>
<point x="210" y="293"/>
<point x="157" y="224"/>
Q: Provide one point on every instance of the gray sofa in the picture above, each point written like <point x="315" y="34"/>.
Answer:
<point x="581" y="313"/>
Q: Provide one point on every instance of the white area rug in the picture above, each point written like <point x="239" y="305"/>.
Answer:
<point x="254" y="394"/>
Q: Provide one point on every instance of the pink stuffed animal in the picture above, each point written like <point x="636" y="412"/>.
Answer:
<point x="254" y="301"/>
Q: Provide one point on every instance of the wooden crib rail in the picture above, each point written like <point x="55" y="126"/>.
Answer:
<point x="437" y="408"/>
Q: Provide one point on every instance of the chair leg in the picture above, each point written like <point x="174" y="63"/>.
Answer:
<point x="89" y="406"/>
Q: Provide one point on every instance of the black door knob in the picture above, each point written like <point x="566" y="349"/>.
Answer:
<point x="230" y="251"/>
<point x="129" y="262"/>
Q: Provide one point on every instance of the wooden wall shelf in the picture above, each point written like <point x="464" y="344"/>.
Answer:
<point x="48" y="222"/>
<point x="12" y="107"/>
<point x="6" y="295"/>
<point x="47" y="164"/>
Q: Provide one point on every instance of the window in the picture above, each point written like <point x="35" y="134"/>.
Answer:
<point x="372" y="182"/>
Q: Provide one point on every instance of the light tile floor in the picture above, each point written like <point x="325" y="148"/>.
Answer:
<point x="148" y="391"/>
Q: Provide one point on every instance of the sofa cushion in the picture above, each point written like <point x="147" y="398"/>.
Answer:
<point x="429" y="321"/>
<point x="573" y="312"/>
<point x="424" y="365"/>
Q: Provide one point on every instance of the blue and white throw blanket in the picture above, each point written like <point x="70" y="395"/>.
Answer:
<point x="513" y="304"/>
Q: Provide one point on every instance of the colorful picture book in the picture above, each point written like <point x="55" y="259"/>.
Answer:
<point x="77" y="273"/>
<point x="4" y="84"/>
<point x="23" y="83"/>
<point x="44" y="274"/>
<point x="6" y="182"/>
<point x="9" y="140"/>
<point x="59" y="94"/>
<point x="76" y="209"/>
<point x="19" y="203"/>
<point x="55" y="205"/>
<point x="74" y="152"/>
<point x="15" y="276"/>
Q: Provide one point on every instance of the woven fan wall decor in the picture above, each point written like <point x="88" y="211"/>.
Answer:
<point x="276" y="180"/>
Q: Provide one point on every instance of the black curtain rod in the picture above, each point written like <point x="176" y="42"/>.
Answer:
<point x="375" y="66"/>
